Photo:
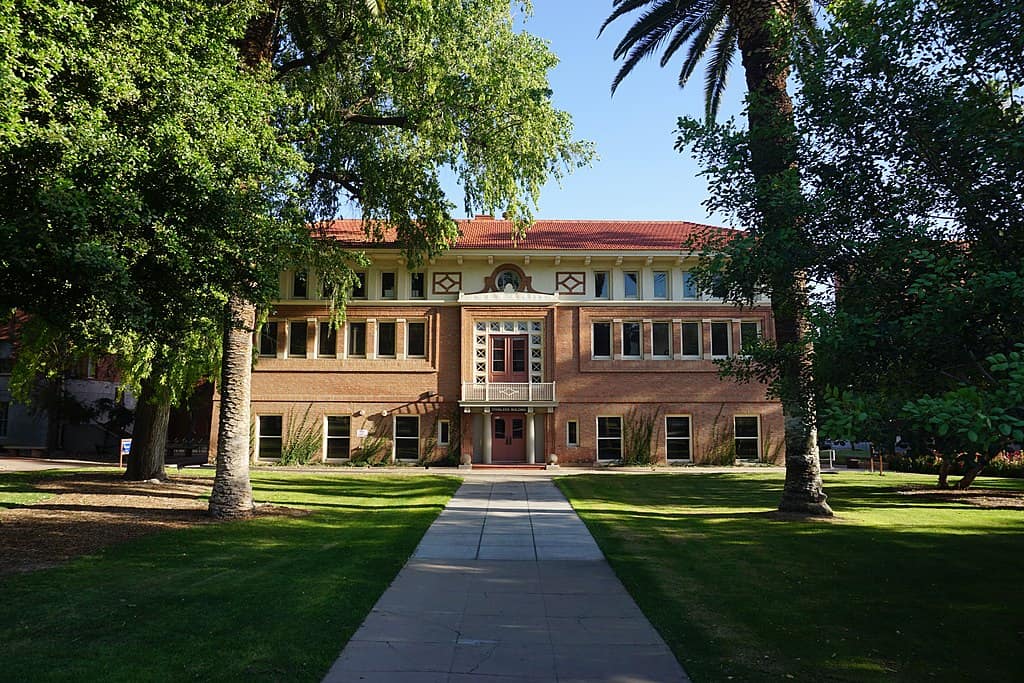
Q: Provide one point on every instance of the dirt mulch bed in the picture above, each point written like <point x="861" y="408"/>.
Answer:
<point x="993" y="499"/>
<point x="88" y="512"/>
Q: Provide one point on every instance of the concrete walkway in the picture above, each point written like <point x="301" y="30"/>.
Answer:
<point x="507" y="585"/>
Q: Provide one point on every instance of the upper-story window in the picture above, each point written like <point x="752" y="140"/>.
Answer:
<point x="4" y="406"/>
<point x="691" y="340"/>
<point x="721" y="339"/>
<point x="508" y="280"/>
<point x="300" y="284"/>
<point x="602" y="340"/>
<point x="386" y="339"/>
<point x="359" y="286"/>
<point x="689" y="286"/>
<point x="328" y="340"/>
<point x="417" y="286"/>
<point x="6" y="357"/>
<point x="660" y="284"/>
<point x="661" y="340"/>
<point x="601" y="284"/>
<point x="268" y="339"/>
<point x="631" y="284"/>
<point x="326" y="290"/>
<point x="416" y="340"/>
<point x="750" y="330"/>
<point x="357" y="339"/>
<point x="297" y="331"/>
<point x="387" y="285"/>
<point x="631" y="340"/>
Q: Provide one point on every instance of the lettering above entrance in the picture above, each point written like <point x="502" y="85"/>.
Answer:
<point x="509" y="278"/>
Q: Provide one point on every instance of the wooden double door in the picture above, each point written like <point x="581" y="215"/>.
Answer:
<point x="508" y="437"/>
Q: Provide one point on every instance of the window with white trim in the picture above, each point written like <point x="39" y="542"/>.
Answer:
<point x="602" y="289"/>
<point x="691" y="340"/>
<point x="327" y="340"/>
<point x="417" y="286"/>
<point x="359" y="286"/>
<point x="750" y="332"/>
<point x="748" y="436"/>
<point x="631" y="340"/>
<point x="300" y="284"/>
<point x="444" y="432"/>
<point x="601" y="339"/>
<point x="269" y="437"/>
<point x="356" y="340"/>
<point x="572" y="433"/>
<point x="337" y="432"/>
<point x="268" y="339"/>
<point x="609" y="438"/>
<point x="297" y="332"/>
<point x="631" y="284"/>
<point x="660" y="282"/>
<point x="407" y="437"/>
<point x="721" y="339"/>
<point x="689" y="287"/>
<point x="661" y="339"/>
<point x="677" y="437"/>
<point x="416" y="339"/>
<point x="387" y="285"/>
<point x="386" y="340"/>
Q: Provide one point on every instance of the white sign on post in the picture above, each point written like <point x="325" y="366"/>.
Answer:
<point x="126" y="449"/>
<point x="362" y="433"/>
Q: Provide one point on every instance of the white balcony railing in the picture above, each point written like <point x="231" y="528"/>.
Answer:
<point x="509" y="392"/>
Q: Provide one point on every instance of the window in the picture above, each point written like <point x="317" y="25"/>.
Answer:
<point x="326" y="290"/>
<point x="689" y="287"/>
<point x="387" y="285"/>
<point x="300" y="284"/>
<point x="416" y="340"/>
<point x="602" y="339"/>
<point x="4" y="407"/>
<point x="297" y="338"/>
<point x="747" y="437"/>
<point x="407" y="437"/>
<point x="269" y="442"/>
<point x="357" y="339"/>
<point x="691" y="340"/>
<point x="749" y="332"/>
<point x="572" y="433"/>
<point x="328" y="343"/>
<point x="718" y="288"/>
<point x="609" y="438"/>
<point x="268" y="339"/>
<point x="386" y="339"/>
<point x="417" y="286"/>
<point x="6" y="357"/>
<point x="359" y="286"/>
<point x="677" y="437"/>
<point x="631" y="284"/>
<point x="661" y="340"/>
<point x="507" y="280"/>
<point x="660" y="284"/>
<point x="601" y="284"/>
<point x="720" y="334"/>
<point x="631" y="340"/>
<point x="337" y="444"/>
<point x="444" y="432"/>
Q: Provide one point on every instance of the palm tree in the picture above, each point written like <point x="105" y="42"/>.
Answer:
<point x="758" y="29"/>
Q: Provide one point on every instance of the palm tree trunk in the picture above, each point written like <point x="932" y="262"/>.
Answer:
<point x="773" y="163"/>
<point x="149" y="436"/>
<point x="232" y="490"/>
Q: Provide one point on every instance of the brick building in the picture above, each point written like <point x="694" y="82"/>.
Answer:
<point x="562" y="343"/>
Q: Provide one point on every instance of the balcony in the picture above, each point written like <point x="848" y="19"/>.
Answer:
<point x="508" y="392"/>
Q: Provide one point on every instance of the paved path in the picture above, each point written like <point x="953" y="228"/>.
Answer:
<point x="507" y="585"/>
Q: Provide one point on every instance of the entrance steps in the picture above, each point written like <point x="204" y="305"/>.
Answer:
<point x="508" y="466"/>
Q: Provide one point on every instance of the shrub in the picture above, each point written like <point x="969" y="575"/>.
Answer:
<point x="302" y="439"/>
<point x="637" y="432"/>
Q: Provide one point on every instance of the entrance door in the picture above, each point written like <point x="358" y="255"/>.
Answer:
<point x="508" y="358"/>
<point x="509" y="437"/>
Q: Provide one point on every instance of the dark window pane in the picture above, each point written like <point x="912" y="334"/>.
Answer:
<point x="678" y="449"/>
<point x="691" y="339"/>
<point x="270" y="425"/>
<point x="407" y="425"/>
<point x="603" y="339"/>
<point x="747" y="449"/>
<point x="630" y="339"/>
<point x="609" y="426"/>
<point x="297" y="339"/>
<point x="444" y="432"/>
<point x="660" y="284"/>
<point x="677" y="426"/>
<point x="718" y="288"/>
<point x="387" y="285"/>
<point x="631" y="283"/>
<point x="719" y="339"/>
<point x="748" y="333"/>
<point x="270" y="447"/>
<point x="517" y="428"/>
<point x="746" y="426"/>
<point x="338" y="426"/>
<point x="518" y="355"/>
<point x="357" y="339"/>
<point x="300" y="284"/>
<point x="359" y="287"/>
<point x="661" y="342"/>
<point x="268" y="339"/>
<point x="689" y="287"/>
<point x="601" y="285"/>
<point x="328" y="339"/>
<point x="417" y="287"/>
<point x="385" y="339"/>
<point x="499" y="428"/>
<point x="338" y="445"/>
<point x="415" y="339"/>
<point x="572" y="433"/>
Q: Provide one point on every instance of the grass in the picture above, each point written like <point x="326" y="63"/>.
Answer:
<point x="17" y="488"/>
<point x="273" y="598"/>
<point x="898" y="588"/>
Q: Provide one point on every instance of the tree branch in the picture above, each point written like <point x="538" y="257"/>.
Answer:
<point x="398" y="121"/>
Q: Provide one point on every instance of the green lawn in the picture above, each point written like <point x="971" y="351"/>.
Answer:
<point x="16" y="488"/>
<point x="898" y="588"/>
<point x="266" y="599"/>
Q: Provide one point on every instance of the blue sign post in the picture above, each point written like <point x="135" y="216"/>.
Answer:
<point x="126" y="448"/>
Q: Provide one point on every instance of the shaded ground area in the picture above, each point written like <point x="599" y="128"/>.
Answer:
<point x="89" y="511"/>
<point x="995" y="499"/>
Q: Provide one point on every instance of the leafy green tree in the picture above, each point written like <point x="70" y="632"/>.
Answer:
<point x="381" y="103"/>
<point x="770" y="257"/>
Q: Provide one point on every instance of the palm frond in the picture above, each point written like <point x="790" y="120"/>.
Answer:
<point x="621" y="7"/>
<point x="646" y="35"/>
<point x="716" y="77"/>
<point x="713" y="22"/>
<point x="683" y="34"/>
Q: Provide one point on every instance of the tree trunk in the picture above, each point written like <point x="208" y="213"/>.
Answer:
<point x="944" y="475"/>
<point x="232" y="490"/>
<point x="969" y="477"/>
<point x="149" y="436"/>
<point x="765" y="53"/>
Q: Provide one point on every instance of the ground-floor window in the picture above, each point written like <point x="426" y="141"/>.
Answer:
<point x="337" y="444"/>
<point x="609" y="438"/>
<point x="269" y="437"/>
<point x="572" y="433"/>
<point x="747" y="437"/>
<point x="4" y="407"/>
<point x="677" y="437"/>
<point x="407" y="437"/>
<point x="444" y="432"/>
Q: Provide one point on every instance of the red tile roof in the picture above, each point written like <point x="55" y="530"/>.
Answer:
<point x="484" y="232"/>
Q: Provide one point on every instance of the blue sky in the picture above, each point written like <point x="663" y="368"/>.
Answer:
<point x="638" y="175"/>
